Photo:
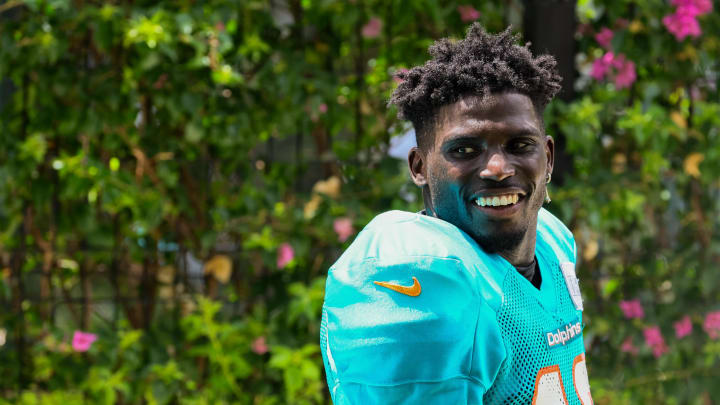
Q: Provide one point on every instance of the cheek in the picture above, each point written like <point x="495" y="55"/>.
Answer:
<point x="437" y="177"/>
<point x="446" y="181"/>
<point x="444" y="189"/>
<point x="538" y="196"/>
<point x="438" y="187"/>
<point x="536" y="169"/>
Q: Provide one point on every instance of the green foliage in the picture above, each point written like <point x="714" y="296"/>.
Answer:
<point x="143" y="136"/>
<point x="642" y="204"/>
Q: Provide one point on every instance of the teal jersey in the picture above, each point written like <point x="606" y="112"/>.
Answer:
<point x="416" y="312"/>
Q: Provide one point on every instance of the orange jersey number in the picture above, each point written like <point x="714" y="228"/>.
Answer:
<point x="549" y="387"/>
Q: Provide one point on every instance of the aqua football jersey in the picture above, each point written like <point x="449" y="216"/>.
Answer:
<point x="416" y="312"/>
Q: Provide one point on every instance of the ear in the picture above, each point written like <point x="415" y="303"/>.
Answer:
<point x="418" y="167"/>
<point x="550" y="152"/>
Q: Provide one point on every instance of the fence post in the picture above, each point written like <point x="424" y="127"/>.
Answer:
<point x="559" y="42"/>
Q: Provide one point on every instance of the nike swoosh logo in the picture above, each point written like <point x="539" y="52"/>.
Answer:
<point x="413" y="290"/>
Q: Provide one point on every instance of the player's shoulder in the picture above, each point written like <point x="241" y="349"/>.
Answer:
<point x="398" y="235"/>
<point x="409" y="290"/>
<point x="555" y="234"/>
<point x="406" y="240"/>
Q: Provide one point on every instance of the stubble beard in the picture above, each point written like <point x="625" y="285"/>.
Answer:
<point x="501" y="243"/>
<point x="506" y="243"/>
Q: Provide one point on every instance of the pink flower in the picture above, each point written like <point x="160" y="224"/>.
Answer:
<point x="285" y="254"/>
<point x="682" y="24"/>
<point x="704" y="6"/>
<point x="659" y="350"/>
<point x="632" y="309"/>
<point x="82" y="341"/>
<point x="468" y="13"/>
<point x="617" y="61"/>
<point x="259" y="345"/>
<point x="601" y="66"/>
<point x="653" y="336"/>
<point x="712" y="324"/>
<point x="604" y="37"/>
<point x="323" y="108"/>
<point x="654" y="339"/>
<point x="627" y="346"/>
<point x="683" y="327"/>
<point x="694" y="7"/>
<point x="344" y="228"/>
<point x="624" y="69"/>
<point x="625" y="75"/>
<point x="372" y="28"/>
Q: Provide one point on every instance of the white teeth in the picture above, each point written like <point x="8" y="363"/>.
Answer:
<point x="497" y="201"/>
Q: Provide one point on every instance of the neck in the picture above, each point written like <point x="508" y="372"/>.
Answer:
<point x="429" y="209"/>
<point x="524" y="253"/>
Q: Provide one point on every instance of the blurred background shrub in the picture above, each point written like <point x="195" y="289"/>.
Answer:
<point x="176" y="178"/>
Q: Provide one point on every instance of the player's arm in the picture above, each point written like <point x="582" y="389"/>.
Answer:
<point x="381" y="345"/>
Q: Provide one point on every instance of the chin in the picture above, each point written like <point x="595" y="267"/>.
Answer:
<point x="500" y="241"/>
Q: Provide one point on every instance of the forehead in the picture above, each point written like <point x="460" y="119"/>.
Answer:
<point x="495" y="112"/>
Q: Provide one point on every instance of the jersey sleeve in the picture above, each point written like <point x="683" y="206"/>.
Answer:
<point x="382" y="346"/>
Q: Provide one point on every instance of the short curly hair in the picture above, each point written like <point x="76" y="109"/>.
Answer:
<point x="481" y="63"/>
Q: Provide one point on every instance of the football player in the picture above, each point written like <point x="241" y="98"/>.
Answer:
<point x="473" y="300"/>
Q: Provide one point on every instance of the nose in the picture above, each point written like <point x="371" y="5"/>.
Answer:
<point x="497" y="168"/>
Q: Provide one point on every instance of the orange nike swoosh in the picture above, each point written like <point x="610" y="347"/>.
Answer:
<point x="413" y="291"/>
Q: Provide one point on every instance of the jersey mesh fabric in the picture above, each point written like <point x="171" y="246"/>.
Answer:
<point x="524" y="321"/>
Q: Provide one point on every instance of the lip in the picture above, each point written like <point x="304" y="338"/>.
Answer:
<point x="497" y="191"/>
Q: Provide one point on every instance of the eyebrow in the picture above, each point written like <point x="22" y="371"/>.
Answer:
<point x="461" y="138"/>
<point x="473" y="135"/>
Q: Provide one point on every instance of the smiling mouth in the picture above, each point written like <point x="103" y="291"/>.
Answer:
<point x="498" y="200"/>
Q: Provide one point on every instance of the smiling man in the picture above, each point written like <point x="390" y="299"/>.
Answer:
<point x="475" y="299"/>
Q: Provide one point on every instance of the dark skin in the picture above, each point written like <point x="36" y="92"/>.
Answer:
<point x="482" y="148"/>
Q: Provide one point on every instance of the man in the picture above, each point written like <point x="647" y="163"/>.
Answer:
<point x="475" y="299"/>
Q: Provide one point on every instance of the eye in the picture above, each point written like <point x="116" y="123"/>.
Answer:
<point x="465" y="150"/>
<point x="520" y="145"/>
